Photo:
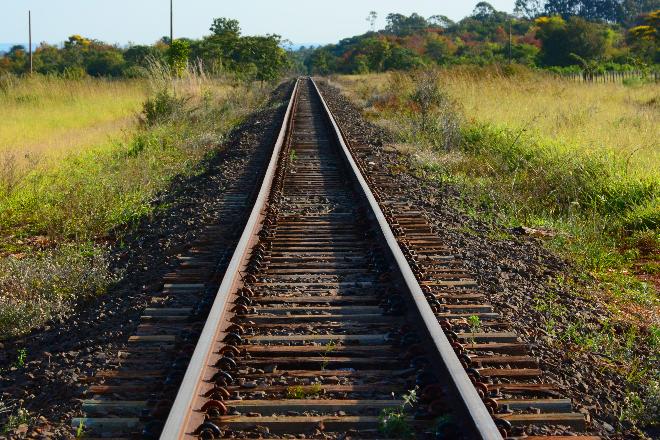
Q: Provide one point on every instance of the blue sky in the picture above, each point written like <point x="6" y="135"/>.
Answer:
<point x="145" y="21"/>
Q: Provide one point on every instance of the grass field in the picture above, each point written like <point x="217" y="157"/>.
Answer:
<point x="622" y="121"/>
<point x="106" y="149"/>
<point x="46" y="117"/>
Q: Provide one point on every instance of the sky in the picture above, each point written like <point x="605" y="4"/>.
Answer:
<point x="145" y="21"/>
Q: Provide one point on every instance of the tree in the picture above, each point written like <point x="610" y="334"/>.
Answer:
<point x="48" y="59"/>
<point x="18" y="58"/>
<point x="371" y="19"/>
<point x="375" y="51"/>
<point x="221" y="47"/>
<point x="105" y="63"/>
<point x="141" y="55"/>
<point x="613" y="11"/>
<point x="636" y="8"/>
<point x="645" y="38"/>
<point x="226" y="27"/>
<point x="560" y="38"/>
<point x="441" y="21"/>
<point x="403" y="59"/>
<point x="650" y="30"/>
<point x="593" y="10"/>
<point x="483" y="11"/>
<point x="402" y="26"/>
<point x="320" y="62"/>
<point x="265" y="54"/>
<point x="529" y="8"/>
<point x="439" y="49"/>
<point x="177" y="56"/>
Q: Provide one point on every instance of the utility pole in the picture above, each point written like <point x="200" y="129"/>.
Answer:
<point x="30" y="37"/>
<point x="171" y="22"/>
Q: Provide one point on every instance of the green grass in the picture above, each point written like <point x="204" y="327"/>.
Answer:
<point x="48" y="116"/>
<point x="55" y="217"/>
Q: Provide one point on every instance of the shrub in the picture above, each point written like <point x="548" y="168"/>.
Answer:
<point x="161" y="108"/>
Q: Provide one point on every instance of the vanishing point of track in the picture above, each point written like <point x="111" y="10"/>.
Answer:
<point x="335" y="304"/>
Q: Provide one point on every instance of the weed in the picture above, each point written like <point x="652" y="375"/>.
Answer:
<point x="292" y="156"/>
<point x="301" y="392"/>
<point x="80" y="431"/>
<point x="535" y="151"/>
<point x="393" y="423"/>
<point x="161" y="108"/>
<point x="34" y="289"/>
<point x="20" y="358"/>
<point x="654" y="338"/>
<point x="73" y="202"/>
<point x="443" y="424"/>
<point x="475" y="323"/>
<point x="20" y="417"/>
<point x="329" y="348"/>
<point x="642" y="407"/>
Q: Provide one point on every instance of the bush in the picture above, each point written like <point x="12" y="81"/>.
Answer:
<point x="424" y="112"/>
<point x="161" y="108"/>
<point x="135" y="72"/>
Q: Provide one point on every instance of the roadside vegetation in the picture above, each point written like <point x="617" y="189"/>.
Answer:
<point x="574" y="164"/>
<point x="62" y="210"/>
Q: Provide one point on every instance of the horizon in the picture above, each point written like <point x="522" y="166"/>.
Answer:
<point x="97" y="21"/>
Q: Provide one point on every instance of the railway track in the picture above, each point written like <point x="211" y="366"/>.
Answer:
<point x="340" y="314"/>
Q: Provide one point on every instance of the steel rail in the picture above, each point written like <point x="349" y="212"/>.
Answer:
<point x="183" y="405"/>
<point x="181" y="412"/>
<point x="481" y="418"/>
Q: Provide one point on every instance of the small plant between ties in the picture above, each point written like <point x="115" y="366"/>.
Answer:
<point x="475" y="326"/>
<point x="329" y="348"/>
<point x="475" y="323"/>
<point x="80" y="431"/>
<point x="21" y="357"/>
<point x="392" y="422"/>
<point x="20" y="417"/>
<point x="301" y="392"/>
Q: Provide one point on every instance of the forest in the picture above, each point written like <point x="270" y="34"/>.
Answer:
<point x="557" y="34"/>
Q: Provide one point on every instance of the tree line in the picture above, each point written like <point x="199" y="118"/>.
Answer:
<point x="556" y="34"/>
<point x="259" y="58"/>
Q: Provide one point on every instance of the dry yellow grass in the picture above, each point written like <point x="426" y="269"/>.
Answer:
<point x="47" y="117"/>
<point x="608" y="118"/>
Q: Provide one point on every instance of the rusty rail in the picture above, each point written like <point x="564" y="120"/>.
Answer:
<point x="203" y="354"/>
<point x="458" y="378"/>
